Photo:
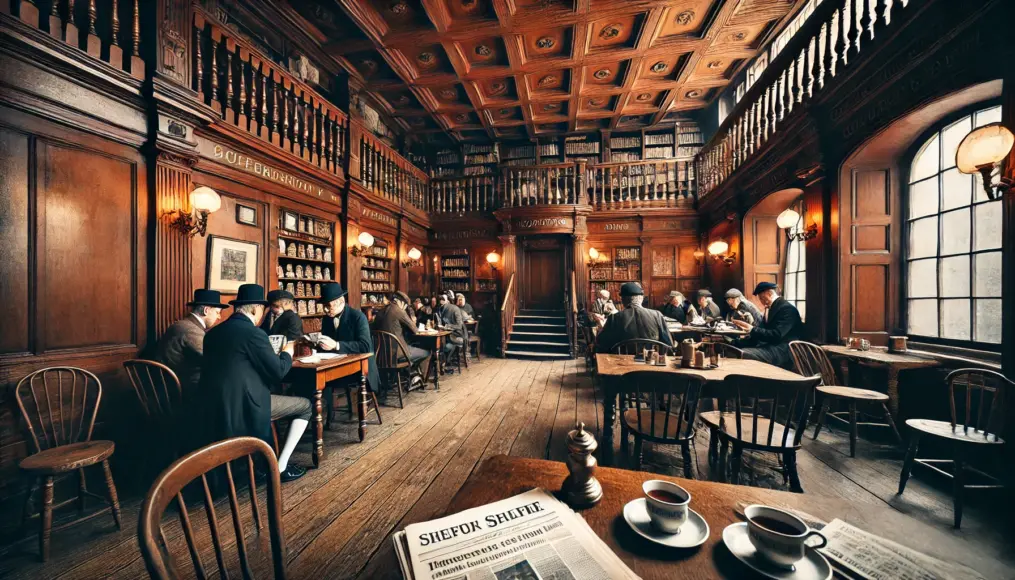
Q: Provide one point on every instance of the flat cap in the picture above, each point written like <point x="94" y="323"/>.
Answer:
<point x="762" y="286"/>
<point x="734" y="293"/>
<point x="705" y="292"/>
<point x="631" y="289"/>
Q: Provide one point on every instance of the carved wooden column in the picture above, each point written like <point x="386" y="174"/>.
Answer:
<point x="173" y="285"/>
<point x="579" y="257"/>
<point x="350" y="276"/>
<point x="509" y="261"/>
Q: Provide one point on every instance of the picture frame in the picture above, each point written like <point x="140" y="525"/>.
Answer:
<point x="231" y="263"/>
<point x="246" y="215"/>
<point x="290" y="221"/>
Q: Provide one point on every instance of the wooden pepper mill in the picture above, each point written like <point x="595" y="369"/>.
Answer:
<point x="581" y="488"/>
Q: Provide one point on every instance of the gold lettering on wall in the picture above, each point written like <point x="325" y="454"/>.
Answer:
<point x="250" y="165"/>
<point x="379" y="217"/>
<point x="557" y="222"/>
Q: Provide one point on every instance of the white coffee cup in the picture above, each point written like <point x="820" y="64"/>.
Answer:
<point x="778" y="535"/>
<point x="667" y="505"/>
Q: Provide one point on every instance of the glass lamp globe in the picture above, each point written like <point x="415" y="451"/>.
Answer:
<point x="594" y="253"/>
<point x="718" y="247"/>
<point x="414" y="254"/>
<point x="493" y="257"/>
<point x="787" y="219"/>
<point x="205" y="199"/>
<point x="984" y="147"/>
<point x="365" y="239"/>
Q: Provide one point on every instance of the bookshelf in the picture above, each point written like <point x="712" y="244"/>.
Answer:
<point x="519" y="154"/>
<point x="456" y="271"/>
<point x="615" y="267"/>
<point x="305" y="261"/>
<point x="376" y="273"/>
<point x="582" y="147"/>
<point x="479" y="159"/>
<point x="447" y="162"/>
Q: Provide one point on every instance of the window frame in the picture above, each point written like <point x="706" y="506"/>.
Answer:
<point x="905" y="171"/>
<point x="800" y="207"/>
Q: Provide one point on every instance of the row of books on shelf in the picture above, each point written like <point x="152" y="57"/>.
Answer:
<point x="310" y="272"/>
<point x="625" y="142"/>
<point x="549" y="150"/>
<point x="581" y="147"/>
<point x="455" y="262"/>
<point x="376" y="252"/>
<point x="375" y="275"/>
<point x="375" y="287"/>
<point x="300" y="289"/>
<point x="455" y="273"/>
<point x="520" y="162"/>
<point x="686" y="151"/>
<point x="624" y="156"/>
<point x="519" y="152"/>
<point x="460" y="286"/>
<point x="693" y="137"/>
<point x="477" y="170"/>
<point x="443" y="171"/>
<point x="303" y="251"/>
<point x="480" y="158"/>
<point x="448" y="158"/>
<point x="376" y="262"/>
<point x="471" y="148"/>
<point x="658" y="152"/>
<point x="659" y="139"/>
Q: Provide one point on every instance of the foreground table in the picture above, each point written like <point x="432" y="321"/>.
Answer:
<point x="317" y="375"/>
<point x="894" y="363"/>
<point x="501" y="477"/>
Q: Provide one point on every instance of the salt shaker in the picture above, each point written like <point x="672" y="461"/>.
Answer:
<point x="581" y="488"/>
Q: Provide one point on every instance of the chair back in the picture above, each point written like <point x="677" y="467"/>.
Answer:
<point x="728" y="350"/>
<point x="638" y="345"/>
<point x="764" y="398"/>
<point x="672" y="398"/>
<point x="981" y="406"/>
<point x="196" y="466"/>
<point x="810" y="359"/>
<point x="388" y="350"/>
<point x="58" y="405"/>
<point x="157" y="388"/>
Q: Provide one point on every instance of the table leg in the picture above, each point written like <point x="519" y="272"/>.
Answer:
<point x="318" y="453"/>
<point x="609" y="418"/>
<point x="438" y="366"/>
<point x="893" y="390"/>
<point x="844" y="366"/>
<point x="362" y="407"/>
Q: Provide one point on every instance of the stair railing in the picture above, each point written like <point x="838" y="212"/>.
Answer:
<point x="572" y="316"/>
<point x="507" y="314"/>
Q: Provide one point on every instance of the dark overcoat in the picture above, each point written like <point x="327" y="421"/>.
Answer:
<point x="769" y="341"/>
<point x="181" y="348"/>
<point x="288" y="324"/>
<point x="633" y="322"/>
<point x="353" y="337"/>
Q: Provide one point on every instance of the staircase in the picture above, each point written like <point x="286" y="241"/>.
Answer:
<point x="539" y="334"/>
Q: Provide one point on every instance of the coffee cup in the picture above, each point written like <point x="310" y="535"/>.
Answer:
<point x="667" y="505"/>
<point x="778" y="535"/>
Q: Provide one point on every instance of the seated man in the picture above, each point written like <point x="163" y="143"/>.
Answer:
<point x="181" y="347"/>
<point x="281" y="317"/>
<point x="395" y="319"/>
<point x="602" y="308"/>
<point x="678" y="308"/>
<point x="741" y="308"/>
<point x="633" y="322"/>
<point x="769" y="341"/>
<point x="465" y="307"/>
<point x="709" y="310"/>
<point x="345" y="330"/>
<point x="453" y="319"/>
<point x="423" y="311"/>
<point x="240" y="367"/>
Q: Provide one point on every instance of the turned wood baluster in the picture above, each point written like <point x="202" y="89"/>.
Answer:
<point x="327" y="131"/>
<point x="135" y="30"/>
<point x="241" y="106"/>
<point x="214" y="96"/>
<point x="227" y="112"/>
<point x="298" y="122"/>
<point x="845" y="23"/>
<point x="894" y="13"/>
<point x="271" y="97"/>
<point x="319" y="127"/>
<point x="338" y="134"/>
<point x="766" y="98"/>
<point x="114" y="25"/>
<point x="308" y="124"/>
<point x="282" y="101"/>
<point x="822" y="44"/>
<point x="858" y="23"/>
<point x="831" y="29"/>
<point x="198" y="65"/>
<point x="265" y="127"/>
<point x="812" y="66"/>
<point x="92" y="15"/>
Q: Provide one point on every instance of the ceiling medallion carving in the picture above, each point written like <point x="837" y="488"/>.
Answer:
<point x="714" y="64"/>
<point x="462" y="117"/>
<point x="597" y="102"/>
<point x="659" y="67"/>
<point x="483" y="50"/>
<point x="693" y="94"/>
<point x="426" y="58"/>
<point x="610" y="31"/>
<point x="469" y="4"/>
<point x="448" y="94"/>
<point x="550" y="107"/>
<point x="505" y="112"/>
<point x="399" y="8"/>
<point x="685" y="17"/>
<point x="547" y="81"/>
<point x="738" y="36"/>
<point x="644" y="97"/>
<point x="545" y="43"/>
<point x="601" y="73"/>
<point x="497" y="87"/>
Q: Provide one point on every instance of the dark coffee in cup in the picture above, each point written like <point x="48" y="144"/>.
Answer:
<point x="666" y="496"/>
<point x="777" y="526"/>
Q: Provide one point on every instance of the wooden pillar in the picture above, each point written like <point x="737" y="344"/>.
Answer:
<point x="173" y="284"/>
<point x="581" y="273"/>
<point x="350" y="276"/>
<point x="509" y="260"/>
<point x="818" y="255"/>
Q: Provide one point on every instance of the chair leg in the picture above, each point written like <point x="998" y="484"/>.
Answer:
<point x="685" y="452"/>
<point x="736" y="462"/>
<point x="82" y="490"/>
<point x="637" y="452"/>
<point x="852" y="429"/>
<point x="907" y="465"/>
<point x="45" y="517"/>
<point x="821" y="417"/>
<point x="401" y="404"/>
<point x="789" y="459"/>
<point x="377" y="408"/>
<point x="274" y="438"/>
<point x="479" y="348"/>
<point x="958" y="486"/>
<point x="623" y="437"/>
<point x="891" y="422"/>
<point x="713" y="447"/>
<point x="348" y="400"/>
<point x="26" y="509"/>
<point x="723" y="467"/>
<point x="114" y="501"/>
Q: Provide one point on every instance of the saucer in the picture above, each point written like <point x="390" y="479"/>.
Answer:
<point x="812" y="566"/>
<point x="692" y="534"/>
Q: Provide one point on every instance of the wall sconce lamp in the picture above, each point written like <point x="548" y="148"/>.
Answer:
<point x="493" y="258"/>
<point x="365" y="241"/>
<point x="719" y="250"/>
<point x="203" y="201"/>
<point x="788" y="219"/>
<point x="982" y="151"/>
<point x="595" y="258"/>
<point x="698" y="256"/>
<point x="414" y="256"/>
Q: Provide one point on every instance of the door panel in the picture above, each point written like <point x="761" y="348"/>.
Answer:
<point x="544" y="279"/>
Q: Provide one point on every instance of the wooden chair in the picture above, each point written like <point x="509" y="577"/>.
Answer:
<point x="761" y="429"/>
<point x="58" y="405"/>
<point x="197" y="465"/>
<point x="392" y="360"/>
<point x="810" y="359"/>
<point x="161" y="397"/>
<point x="474" y="339"/>
<point x="638" y="345"/>
<point x="982" y="422"/>
<point x="727" y="350"/>
<point x="660" y="408"/>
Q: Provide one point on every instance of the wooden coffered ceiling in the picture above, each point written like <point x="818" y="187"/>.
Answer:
<point x="507" y="69"/>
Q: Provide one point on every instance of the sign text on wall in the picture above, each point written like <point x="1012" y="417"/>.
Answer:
<point x="557" y="222"/>
<point x="462" y="234"/>
<point x="264" y="170"/>
<point x="379" y="217"/>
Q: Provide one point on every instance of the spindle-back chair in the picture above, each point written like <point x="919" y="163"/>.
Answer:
<point x="660" y="408"/>
<point x="392" y="360"/>
<point x="161" y="399"/>
<point x="196" y="466"/>
<point x="967" y="429"/>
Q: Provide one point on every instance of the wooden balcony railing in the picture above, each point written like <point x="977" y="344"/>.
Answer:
<point x="458" y="195"/>
<point x="389" y="175"/>
<point x="556" y="184"/>
<point x="641" y="184"/>
<point x="107" y="30"/>
<point x="254" y="94"/>
<point x="834" y="36"/>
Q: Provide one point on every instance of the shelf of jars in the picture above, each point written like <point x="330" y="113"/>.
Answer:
<point x="305" y="261"/>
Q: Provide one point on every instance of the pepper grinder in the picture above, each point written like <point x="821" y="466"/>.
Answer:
<point x="581" y="488"/>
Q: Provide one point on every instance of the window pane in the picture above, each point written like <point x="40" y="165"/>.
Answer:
<point x="987" y="274"/>
<point x="923" y="198"/>
<point x="790" y="287"/>
<point x="801" y="285"/>
<point x="792" y="256"/>
<point x="955" y="321"/>
<point x="988" y="225"/>
<point x="991" y="115"/>
<point x="957" y="189"/>
<point x="988" y="321"/>
<point x="955" y="232"/>
<point x="923" y="238"/>
<point x="922" y="317"/>
<point x="922" y="279"/>
<point x="926" y="162"/>
<point x="950" y="139"/>
<point x="955" y="276"/>
<point x="802" y="307"/>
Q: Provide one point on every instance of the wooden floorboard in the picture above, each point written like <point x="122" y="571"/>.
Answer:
<point x="339" y="519"/>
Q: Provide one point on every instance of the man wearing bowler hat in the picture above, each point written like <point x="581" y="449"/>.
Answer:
<point x="345" y="330"/>
<point x="240" y="369"/>
<point x="780" y="324"/>
<point x="181" y="347"/>
<point x="281" y="318"/>
<point x="634" y="321"/>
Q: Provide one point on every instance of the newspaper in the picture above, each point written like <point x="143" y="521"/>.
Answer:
<point x="531" y="536"/>
<point x="871" y="557"/>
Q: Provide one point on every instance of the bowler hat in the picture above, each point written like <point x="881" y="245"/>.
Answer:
<point x="762" y="286"/>
<point x="331" y="291"/>
<point x="204" y="297"/>
<point x="277" y="295"/>
<point x="631" y="289"/>
<point x="249" y="294"/>
<point x="705" y="292"/>
<point x="401" y="296"/>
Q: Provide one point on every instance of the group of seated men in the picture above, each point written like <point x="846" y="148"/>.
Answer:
<point x="768" y="334"/>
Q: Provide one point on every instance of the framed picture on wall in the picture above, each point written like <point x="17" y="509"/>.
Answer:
<point x="231" y="263"/>
<point x="246" y="215"/>
<point x="290" y="221"/>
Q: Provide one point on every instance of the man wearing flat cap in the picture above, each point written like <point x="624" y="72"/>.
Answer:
<point x="240" y="370"/>
<point x="181" y="347"/>
<point x="781" y="324"/>
<point x="678" y="308"/>
<point x="281" y="317"/>
<point x="709" y="310"/>
<point x="345" y="330"/>
<point x="634" y="321"/>
<point x="741" y="308"/>
<point x="395" y="319"/>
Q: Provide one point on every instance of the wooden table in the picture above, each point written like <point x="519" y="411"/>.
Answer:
<point x="501" y="477"/>
<point x="612" y="368"/>
<point x="433" y="341"/>
<point x="894" y="363"/>
<point x="318" y="375"/>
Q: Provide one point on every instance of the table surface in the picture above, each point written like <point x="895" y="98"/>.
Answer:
<point x="332" y="362"/>
<point x="501" y="477"/>
<point x="433" y="334"/>
<point x="616" y="365"/>
<point x="880" y="356"/>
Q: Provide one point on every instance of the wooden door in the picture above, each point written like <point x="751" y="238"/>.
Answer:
<point x="543" y="285"/>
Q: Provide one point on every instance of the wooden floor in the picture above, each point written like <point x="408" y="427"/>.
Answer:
<point x="338" y="519"/>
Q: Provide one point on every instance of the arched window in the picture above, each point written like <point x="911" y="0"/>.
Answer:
<point x="953" y="243"/>
<point x="795" y="276"/>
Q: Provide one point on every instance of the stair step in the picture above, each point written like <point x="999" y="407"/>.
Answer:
<point x="541" y="312"/>
<point x="538" y="343"/>
<point x="526" y="333"/>
<point x="540" y="324"/>
<point x="546" y="355"/>
<point x="556" y="320"/>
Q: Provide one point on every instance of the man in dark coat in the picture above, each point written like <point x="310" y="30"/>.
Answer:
<point x="465" y="307"/>
<point x="741" y="308"/>
<point x="634" y="321"/>
<point x="240" y="368"/>
<point x="395" y="319"/>
<point x="181" y="347"/>
<point x="709" y="310"/>
<point x="345" y="330"/>
<point x="678" y="308"/>
<point x="281" y="317"/>
<point x="781" y="324"/>
<point x="452" y="318"/>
